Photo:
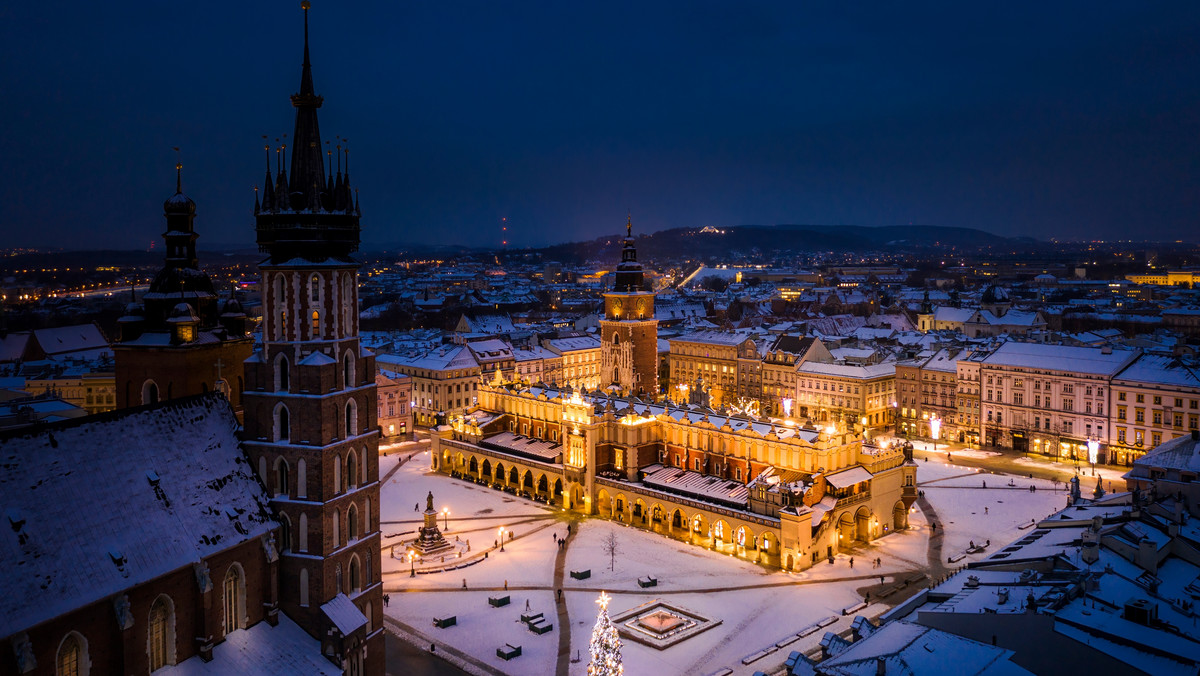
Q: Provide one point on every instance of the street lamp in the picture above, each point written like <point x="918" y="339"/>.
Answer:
<point x="501" y="538"/>
<point x="1093" y="447"/>
<point x="412" y="560"/>
<point x="787" y="407"/>
<point x="935" y="427"/>
<point x="446" y="518"/>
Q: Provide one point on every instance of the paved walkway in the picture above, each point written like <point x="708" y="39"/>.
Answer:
<point x="933" y="550"/>
<point x="564" y="620"/>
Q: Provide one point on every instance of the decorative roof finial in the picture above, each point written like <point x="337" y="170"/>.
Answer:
<point x="629" y="224"/>
<point x="178" y="171"/>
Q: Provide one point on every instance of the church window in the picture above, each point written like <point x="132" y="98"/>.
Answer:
<point x="304" y="587"/>
<point x="351" y="469"/>
<point x="351" y="418"/>
<point x="301" y="478"/>
<point x="347" y="371"/>
<point x="161" y="633"/>
<point x="302" y="532"/>
<point x="337" y="528"/>
<point x="149" y="392"/>
<point x="281" y="477"/>
<point x="363" y="465"/>
<point x="314" y="289"/>
<point x="316" y="324"/>
<point x="235" y="598"/>
<point x="337" y="578"/>
<point x="283" y="424"/>
<point x="367" y="517"/>
<point x="285" y="533"/>
<point x="355" y="575"/>
<point x="72" y="656"/>
<point x="337" y="474"/>
<point x="283" y="376"/>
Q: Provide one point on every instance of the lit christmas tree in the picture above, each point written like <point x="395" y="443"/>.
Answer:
<point x="606" y="645"/>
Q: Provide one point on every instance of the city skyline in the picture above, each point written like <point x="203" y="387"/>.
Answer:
<point x="1062" y="123"/>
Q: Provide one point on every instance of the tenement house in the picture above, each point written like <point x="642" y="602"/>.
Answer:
<point x="720" y="361"/>
<point x="444" y="381"/>
<point x="1153" y="400"/>
<point x="784" y="355"/>
<point x="1048" y="399"/>
<point x="847" y="394"/>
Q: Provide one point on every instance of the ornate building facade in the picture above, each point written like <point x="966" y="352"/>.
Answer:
<point x="629" y="330"/>
<point x="310" y="398"/>
<point x="780" y="495"/>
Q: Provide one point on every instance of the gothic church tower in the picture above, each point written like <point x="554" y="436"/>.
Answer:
<point x="310" y="398"/>
<point x="629" y="330"/>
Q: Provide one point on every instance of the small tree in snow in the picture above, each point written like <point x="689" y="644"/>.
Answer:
<point x="611" y="547"/>
<point x="606" y="644"/>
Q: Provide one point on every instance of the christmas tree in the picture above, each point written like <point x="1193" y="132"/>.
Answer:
<point x="606" y="645"/>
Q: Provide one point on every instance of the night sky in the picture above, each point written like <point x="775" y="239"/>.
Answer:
<point x="1075" y="120"/>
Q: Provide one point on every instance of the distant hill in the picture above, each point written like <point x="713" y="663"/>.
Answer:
<point x="709" y="242"/>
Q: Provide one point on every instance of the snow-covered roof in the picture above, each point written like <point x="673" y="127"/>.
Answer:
<point x="1178" y="453"/>
<point x="70" y="338"/>
<point x="261" y="650"/>
<point x="542" y="449"/>
<point x="1084" y="360"/>
<point x="1160" y="370"/>
<point x="703" y="486"/>
<point x="577" y="343"/>
<point x="105" y="503"/>
<point x="847" y="370"/>
<point x="909" y="649"/>
<point x="344" y="615"/>
<point x="712" y="338"/>
<point x="442" y="359"/>
<point x="848" y="477"/>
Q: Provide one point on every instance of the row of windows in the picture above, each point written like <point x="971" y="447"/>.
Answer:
<point x="283" y="372"/>
<point x="348" y="473"/>
<point x="282" y="424"/>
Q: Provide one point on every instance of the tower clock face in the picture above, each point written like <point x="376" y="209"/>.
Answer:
<point x="616" y="306"/>
<point x="641" y="307"/>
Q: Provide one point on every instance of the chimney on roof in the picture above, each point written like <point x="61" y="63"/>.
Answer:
<point x="1107" y="349"/>
<point x="880" y="666"/>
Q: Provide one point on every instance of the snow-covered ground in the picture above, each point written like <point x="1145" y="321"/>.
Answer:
<point x="757" y="607"/>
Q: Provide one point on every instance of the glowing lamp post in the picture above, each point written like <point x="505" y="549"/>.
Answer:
<point x="502" y="538"/>
<point x="1093" y="447"/>
<point x="787" y="407"/>
<point x="935" y="428"/>
<point x="412" y="560"/>
<point x="446" y="518"/>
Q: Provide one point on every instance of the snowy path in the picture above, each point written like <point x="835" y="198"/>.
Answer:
<point x="563" y="663"/>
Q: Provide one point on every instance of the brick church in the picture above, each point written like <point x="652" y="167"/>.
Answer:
<point x="166" y="538"/>
<point x="629" y="329"/>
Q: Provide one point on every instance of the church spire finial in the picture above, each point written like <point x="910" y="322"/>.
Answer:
<point x="306" y="75"/>
<point x="178" y="171"/>
<point x="629" y="224"/>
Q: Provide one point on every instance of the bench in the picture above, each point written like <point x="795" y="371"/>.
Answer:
<point x="647" y="582"/>
<point x="581" y="574"/>
<point x="531" y="617"/>
<point x="539" y="627"/>
<point x="508" y="651"/>
<point x="498" y="601"/>
<point x="443" y="622"/>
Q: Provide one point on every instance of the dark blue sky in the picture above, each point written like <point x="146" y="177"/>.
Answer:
<point x="1068" y="119"/>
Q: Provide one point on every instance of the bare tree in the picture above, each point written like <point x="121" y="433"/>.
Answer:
<point x="611" y="547"/>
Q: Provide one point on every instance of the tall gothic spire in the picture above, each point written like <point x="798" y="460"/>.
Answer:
<point x="307" y="162"/>
<point x="309" y="213"/>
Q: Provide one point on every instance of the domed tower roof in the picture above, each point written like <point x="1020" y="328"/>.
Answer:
<point x="180" y="280"/>
<point x="629" y="270"/>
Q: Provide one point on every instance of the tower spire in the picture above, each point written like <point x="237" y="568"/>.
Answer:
<point x="629" y="224"/>
<point x="306" y="84"/>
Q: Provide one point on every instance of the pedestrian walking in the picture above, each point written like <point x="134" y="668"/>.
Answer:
<point x="985" y="510"/>
<point x="416" y="507"/>
<point x="851" y="561"/>
<point x="506" y="585"/>
<point x="386" y="600"/>
<point x="880" y="579"/>
<point x="560" y="596"/>
<point x="526" y="605"/>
